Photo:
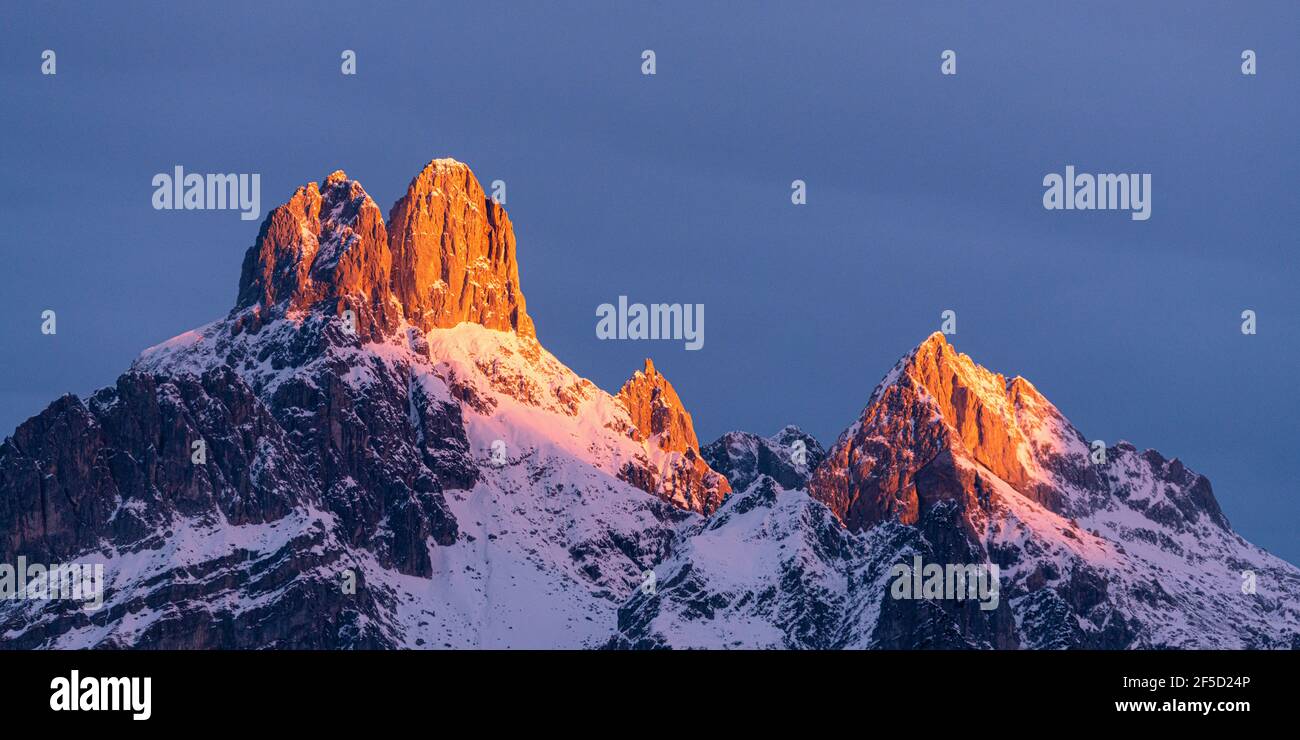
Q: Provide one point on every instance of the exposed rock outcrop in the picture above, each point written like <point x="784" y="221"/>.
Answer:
<point x="660" y="419"/>
<point x="327" y="245"/>
<point x="656" y="410"/>
<point x="787" y="457"/>
<point x="454" y="253"/>
<point x="373" y="450"/>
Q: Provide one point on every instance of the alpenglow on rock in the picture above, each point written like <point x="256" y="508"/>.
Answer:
<point x="347" y="408"/>
<point x="1133" y="553"/>
<point x="392" y="459"/>
<point x="454" y="253"/>
<point x="328" y="244"/>
<point x="446" y="256"/>
<point x="660" y="420"/>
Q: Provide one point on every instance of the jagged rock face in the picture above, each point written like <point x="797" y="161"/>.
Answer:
<point x="336" y="448"/>
<point x="118" y="476"/>
<point x="319" y="427"/>
<point x="446" y="256"/>
<point x="807" y="583"/>
<point x="937" y="408"/>
<point x="326" y="245"/>
<point x="454" y="253"/>
<point x="1183" y="498"/>
<point x="1092" y="554"/>
<point x="788" y="457"/>
<point x="975" y="403"/>
<point x="890" y="464"/>
<point x="800" y="587"/>
<point x="431" y="476"/>
<point x="318" y="464"/>
<point x="120" y="467"/>
<point x="660" y="419"/>
<point x="657" y="411"/>
<point x="820" y="585"/>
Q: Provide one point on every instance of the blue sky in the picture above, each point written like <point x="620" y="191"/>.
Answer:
<point x="924" y="194"/>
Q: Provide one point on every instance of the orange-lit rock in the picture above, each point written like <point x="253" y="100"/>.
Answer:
<point x="976" y="403"/>
<point x="657" y="411"/>
<point x="454" y="253"/>
<point x="936" y="408"/>
<point x="327" y="243"/>
<point x="680" y="474"/>
<point x="448" y="257"/>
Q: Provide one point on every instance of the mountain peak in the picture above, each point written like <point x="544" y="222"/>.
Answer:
<point x="934" y="350"/>
<point x="941" y="407"/>
<point x="787" y="457"/>
<point x="325" y="247"/>
<point x="336" y="177"/>
<point x="935" y="340"/>
<point x="940" y="426"/>
<point x="661" y="421"/>
<point x="449" y="256"/>
<point x="657" y="411"/>
<point x="445" y="164"/>
<point x="789" y="430"/>
<point x="454" y="253"/>
<point x="936" y="367"/>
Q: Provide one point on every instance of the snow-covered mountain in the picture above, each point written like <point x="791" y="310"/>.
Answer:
<point x="374" y="450"/>
<point x="958" y="465"/>
<point x="787" y="457"/>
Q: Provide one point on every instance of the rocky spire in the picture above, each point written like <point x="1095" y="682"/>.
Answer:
<point x="454" y="253"/>
<point x="449" y="256"/>
<point x="681" y="474"/>
<point x="327" y="245"/>
<point x="657" y="411"/>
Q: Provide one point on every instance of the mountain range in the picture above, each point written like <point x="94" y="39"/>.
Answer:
<point x="373" y="450"/>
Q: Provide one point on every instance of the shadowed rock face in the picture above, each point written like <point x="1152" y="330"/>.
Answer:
<point x="118" y="474"/>
<point x="788" y="457"/>
<point x="67" y="471"/>
<point x="355" y="448"/>
<point x="122" y="465"/>
<point x="454" y="253"/>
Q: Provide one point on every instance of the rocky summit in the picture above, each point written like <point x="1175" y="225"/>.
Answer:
<point x="373" y="450"/>
<point x="454" y="254"/>
<point x="661" y="421"/>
